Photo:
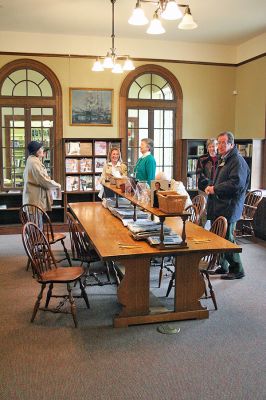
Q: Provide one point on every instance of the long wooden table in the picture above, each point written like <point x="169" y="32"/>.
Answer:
<point x="106" y="232"/>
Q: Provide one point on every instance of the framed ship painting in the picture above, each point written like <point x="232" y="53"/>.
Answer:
<point x="90" y="106"/>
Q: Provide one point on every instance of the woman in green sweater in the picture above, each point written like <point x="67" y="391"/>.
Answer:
<point x="146" y="165"/>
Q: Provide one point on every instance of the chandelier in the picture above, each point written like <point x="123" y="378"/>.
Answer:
<point x="111" y="60"/>
<point x="166" y="9"/>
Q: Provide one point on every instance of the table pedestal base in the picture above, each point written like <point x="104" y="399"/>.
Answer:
<point x="133" y="293"/>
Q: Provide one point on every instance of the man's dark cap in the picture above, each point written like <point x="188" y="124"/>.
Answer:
<point x="34" y="146"/>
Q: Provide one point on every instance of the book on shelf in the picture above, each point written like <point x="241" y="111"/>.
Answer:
<point x="86" y="148"/>
<point x="72" y="183"/>
<point x="192" y="164"/>
<point x="99" y="164"/>
<point x="86" y="183"/>
<point x="97" y="183"/>
<point x="100" y="148"/>
<point x="72" y="148"/>
<point x="72" y="164"/>
<point x="200" y="150"/>
<point x="192" y="182"/>
<point x="85" y="165"/>
<point x="242" y="149"/>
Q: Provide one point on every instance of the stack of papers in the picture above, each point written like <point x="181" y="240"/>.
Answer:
<point x="143" y="229"/>
<point x="127" y="212"/>
<point x="168" y="240"/>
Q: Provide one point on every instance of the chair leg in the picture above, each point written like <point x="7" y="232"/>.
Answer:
<point x="171" y="283"/>
<point x="108" y="272"/>
<point x="37" y="304"/>
<point x="84" y="294"/>
<point x="49" y="294"/>
<point x="117" y="279"/>
<point x="66" y="253"/>
<point x="72" y="305"/>
<point x="212" y="294"/>
<point x="161" y="272"/>
<point x="28" y="264"/>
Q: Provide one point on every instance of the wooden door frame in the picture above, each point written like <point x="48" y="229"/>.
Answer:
<point x="54" y="102"/>
<point x="177" y="104"/>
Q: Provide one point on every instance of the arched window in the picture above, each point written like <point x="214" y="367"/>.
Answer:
<point x="151" y="106"/>
<point x="30" y="109"/>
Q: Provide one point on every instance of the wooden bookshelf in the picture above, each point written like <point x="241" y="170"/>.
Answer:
<point x="83" y="162"/>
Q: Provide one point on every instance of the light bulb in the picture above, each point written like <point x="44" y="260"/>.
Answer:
<point x="97" y="66"/>
<point x="155" y="27"/>
<point x="128" y="65"/>
<point x="187" y="21"/>
<point x="138" y="17"/>
<point x="171" y="11"/>
<point x="117" y="69"/>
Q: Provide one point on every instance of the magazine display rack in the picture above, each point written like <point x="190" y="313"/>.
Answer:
<point x="83" y="164"/>
<point x="153" y="211"/>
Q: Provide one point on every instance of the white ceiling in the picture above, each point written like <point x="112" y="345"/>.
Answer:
<point x="219" y="21"/>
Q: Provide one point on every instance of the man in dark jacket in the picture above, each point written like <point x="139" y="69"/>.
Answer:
<point x="226" y="198"/>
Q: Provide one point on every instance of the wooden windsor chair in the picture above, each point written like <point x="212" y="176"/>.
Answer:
<point x="200" y="202"/>
<point x="219" y="227"/>
<point x="46" y="271"/>
<point x="193" y="217"/>
<point x="83" y="251"/>
<point x="208" y="263"/>
<point x="32" y="213"/>
<point x="244" y="227"/>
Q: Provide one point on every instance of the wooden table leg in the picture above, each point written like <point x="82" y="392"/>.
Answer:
<point x="189" y="283"/>
<point x="133" y="291"/>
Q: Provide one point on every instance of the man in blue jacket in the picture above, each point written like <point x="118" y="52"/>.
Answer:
<point x="226" y="198"/>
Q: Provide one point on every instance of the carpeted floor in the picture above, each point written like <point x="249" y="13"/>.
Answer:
<point x="222" y="357"/>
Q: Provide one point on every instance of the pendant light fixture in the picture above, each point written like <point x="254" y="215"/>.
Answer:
<point x="166" y="9"/>
<point x="111" y="60"/>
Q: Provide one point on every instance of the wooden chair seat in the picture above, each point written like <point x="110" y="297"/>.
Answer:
<point x="61" y="275"/>
<point x="46" y="271"/>
<point x="57" y="236"/>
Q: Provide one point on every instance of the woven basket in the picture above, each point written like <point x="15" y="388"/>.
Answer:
<point x="170" y="202"/>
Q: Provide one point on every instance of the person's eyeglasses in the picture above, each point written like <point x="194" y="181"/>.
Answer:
<point x="223" y="143"/>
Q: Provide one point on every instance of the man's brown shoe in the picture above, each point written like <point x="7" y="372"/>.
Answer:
<point x="231" y="275"/>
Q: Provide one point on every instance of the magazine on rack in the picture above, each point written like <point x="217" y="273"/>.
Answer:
<point x="100" y="148"/>
<point x="86" y="149"/>
<point x="72" y="148"/>
<point x="99" y="164"/>
<point x="86" y="183"/>
<point x="72" y="165"/>
<point x="72" y="183"/>
<point x="85" y="165"/>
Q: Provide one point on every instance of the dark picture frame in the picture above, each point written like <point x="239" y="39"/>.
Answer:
<point x="91" y="107"/>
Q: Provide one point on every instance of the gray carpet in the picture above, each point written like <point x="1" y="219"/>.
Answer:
<point x="222" y="357"/>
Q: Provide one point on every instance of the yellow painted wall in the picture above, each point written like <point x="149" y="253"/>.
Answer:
<point x="208" y="101"/>
<point x="250" y="99"/>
